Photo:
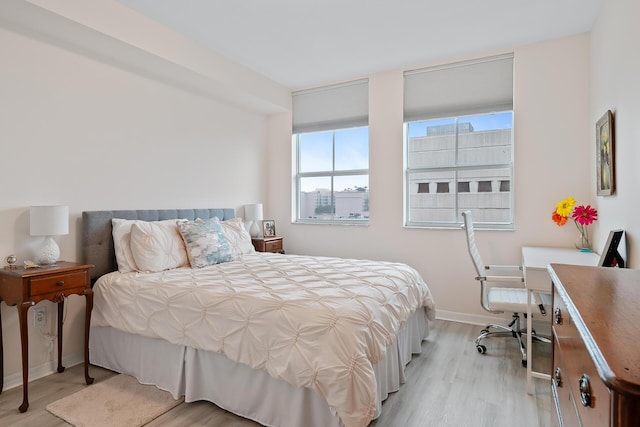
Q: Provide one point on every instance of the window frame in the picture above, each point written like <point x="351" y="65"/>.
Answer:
<point x="456" y="167"/>
<point x="332" y="174"/>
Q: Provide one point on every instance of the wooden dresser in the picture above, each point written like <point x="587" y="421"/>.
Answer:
<point x="596" y="346"/>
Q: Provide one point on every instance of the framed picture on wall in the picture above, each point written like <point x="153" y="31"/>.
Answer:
<point x="605" y="158"/>
<point x="269" y="228"/>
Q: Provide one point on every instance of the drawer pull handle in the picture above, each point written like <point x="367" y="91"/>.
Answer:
<point x="557" y="376"/>
<point x="558" y="316"/>
<point x="585" y="390"/>
<point x="60" y="283"/>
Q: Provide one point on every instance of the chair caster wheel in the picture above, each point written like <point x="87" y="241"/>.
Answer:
<point x="481" y="349"/>
<point x="524" y="363"/>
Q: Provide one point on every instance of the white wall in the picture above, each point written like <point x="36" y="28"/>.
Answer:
<point x="552" y="157"/>
<point x="615" y="86"/>
<point x="77" y="131"/>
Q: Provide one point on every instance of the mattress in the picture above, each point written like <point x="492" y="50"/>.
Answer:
<point x="318" y="323"/>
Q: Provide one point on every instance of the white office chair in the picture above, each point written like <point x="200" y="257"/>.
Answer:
<point x="498" y="300"/>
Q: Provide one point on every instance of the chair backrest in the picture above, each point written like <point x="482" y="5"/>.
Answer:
<point x="471" y="244"/>
<point x="477" y="261"/>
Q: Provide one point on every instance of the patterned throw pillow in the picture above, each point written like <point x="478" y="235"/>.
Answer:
<point x="205" y="242"/>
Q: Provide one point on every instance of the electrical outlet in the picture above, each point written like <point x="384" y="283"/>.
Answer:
<point x="39" y="316"/>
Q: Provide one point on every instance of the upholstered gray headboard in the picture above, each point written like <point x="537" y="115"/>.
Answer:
<point x="97" y="240"/>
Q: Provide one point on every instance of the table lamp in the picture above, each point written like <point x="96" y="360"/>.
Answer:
<point x="253" y="214"/>
<point x="48" y="221"/>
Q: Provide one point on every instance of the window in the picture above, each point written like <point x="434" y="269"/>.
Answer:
<point x="331" y="142"/>
<point x="443" y="187"/>
<point x="463" y="187"/>
<point x="333" y="175"/>
<point x="459" y="144"/>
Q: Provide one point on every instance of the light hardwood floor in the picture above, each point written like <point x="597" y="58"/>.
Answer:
<point x="449" y="384"/>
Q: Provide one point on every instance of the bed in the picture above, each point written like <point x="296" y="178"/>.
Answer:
<point x="285" y="340"/>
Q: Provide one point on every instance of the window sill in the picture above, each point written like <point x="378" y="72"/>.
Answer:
<point x="456" y="227"/>
<point x="334" y="222"/>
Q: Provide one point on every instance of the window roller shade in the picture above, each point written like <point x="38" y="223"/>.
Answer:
<point x="462" y="88"/>
<point x="331" y="107"/>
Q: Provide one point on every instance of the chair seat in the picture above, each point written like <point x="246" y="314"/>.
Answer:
<point x="509" y="299"/>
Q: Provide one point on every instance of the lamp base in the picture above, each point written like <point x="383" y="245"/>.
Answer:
<point x="254" y="230"/>
<point x="48" y="253"/>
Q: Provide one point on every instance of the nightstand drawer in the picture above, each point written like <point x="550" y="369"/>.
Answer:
<point x="273" y="246"/>
<point x="57" y="283"/>
<point x="268" y="244"/>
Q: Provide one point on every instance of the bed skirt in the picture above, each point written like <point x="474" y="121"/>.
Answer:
<point x="248" y="392"/>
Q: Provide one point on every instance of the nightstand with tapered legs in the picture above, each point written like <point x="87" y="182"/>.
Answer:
<point x="25" y="288"/>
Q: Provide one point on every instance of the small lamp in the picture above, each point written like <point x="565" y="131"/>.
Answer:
<point x="253" y="214"/>
<point x="48" y="221"/>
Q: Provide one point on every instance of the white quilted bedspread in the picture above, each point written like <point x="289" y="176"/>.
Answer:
<point x="311" y="321"/>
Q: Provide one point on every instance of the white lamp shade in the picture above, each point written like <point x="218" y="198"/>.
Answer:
<point x="253" y="212"/>
<point x="49" y="220"/>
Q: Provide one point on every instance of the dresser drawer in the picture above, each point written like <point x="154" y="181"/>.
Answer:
<point x="57" y="283"/>
<point x="588" y="394"/>
<point x="565" y="412"/>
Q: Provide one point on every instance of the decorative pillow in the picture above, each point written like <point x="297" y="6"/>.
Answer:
<point x="205" y="241"/>
<point x="122" y="244"/>
<point x="237" y="236"/>
<point x="157" y="246"/>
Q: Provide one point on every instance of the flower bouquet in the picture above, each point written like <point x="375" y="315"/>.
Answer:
<point x="582" y="217"/>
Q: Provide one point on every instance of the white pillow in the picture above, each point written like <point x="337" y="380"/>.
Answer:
<point x="157" y="246"/>
<point x="122" y="244"/>
<point x="237" y="236"/>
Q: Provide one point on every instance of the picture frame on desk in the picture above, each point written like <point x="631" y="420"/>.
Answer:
<point x="611" y="256"/>
<point x="268" y="228"/>
<point x="605" y="155"/>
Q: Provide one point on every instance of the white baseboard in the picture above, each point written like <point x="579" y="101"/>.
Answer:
<point x="473" y="319"/>
<point x="540" y="323"/>
<point x="47" y="368"/>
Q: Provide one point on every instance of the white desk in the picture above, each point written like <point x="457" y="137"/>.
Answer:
<point x="536" y="278"/>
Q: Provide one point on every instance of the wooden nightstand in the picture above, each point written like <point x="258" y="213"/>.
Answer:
<point x="268" y="244"/>
<point x="27" y="287"/>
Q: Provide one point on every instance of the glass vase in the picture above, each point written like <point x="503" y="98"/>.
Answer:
<point x="582" y="241"/>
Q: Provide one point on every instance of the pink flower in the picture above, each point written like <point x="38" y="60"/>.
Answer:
<point x="584" y="215"/>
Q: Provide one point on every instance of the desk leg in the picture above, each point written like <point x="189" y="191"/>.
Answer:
<point x="60" y="318"/>
<point x="1" y="354"/>
<point x="24" y="340"/>
<point x="529" y="342"/>
<point x="87" y="323"/>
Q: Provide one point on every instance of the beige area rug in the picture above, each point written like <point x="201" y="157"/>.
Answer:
<point x="118" y="401"/>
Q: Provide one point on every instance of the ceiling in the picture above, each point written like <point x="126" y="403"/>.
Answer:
<point x="305" y="43"/>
